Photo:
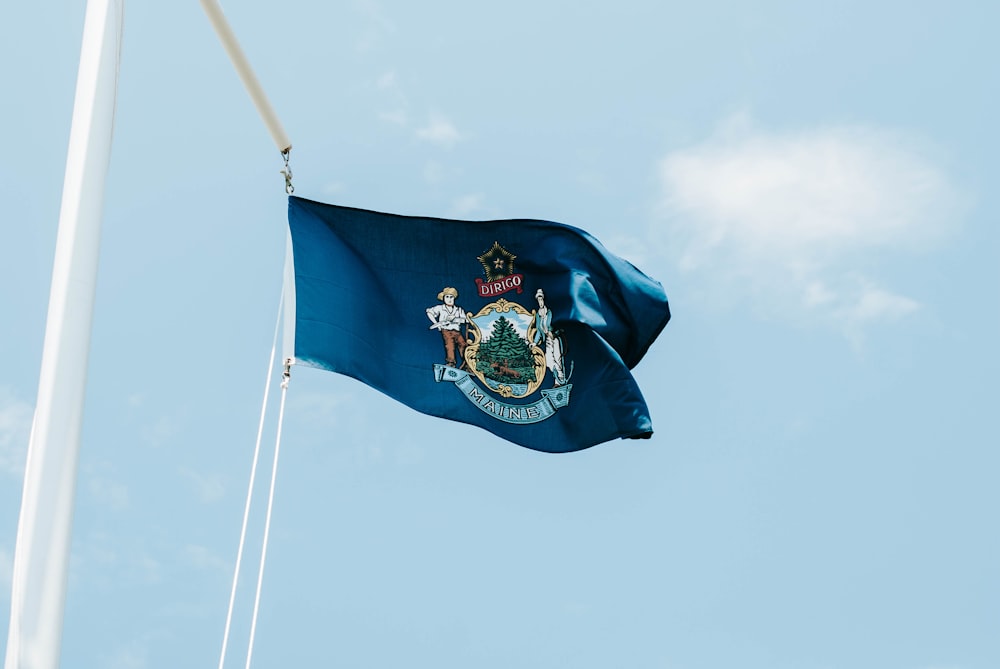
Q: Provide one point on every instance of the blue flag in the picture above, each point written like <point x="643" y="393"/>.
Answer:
<point x="524" y="328"/>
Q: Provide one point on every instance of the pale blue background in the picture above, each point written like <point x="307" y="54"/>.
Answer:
<point x="813" y="182"/>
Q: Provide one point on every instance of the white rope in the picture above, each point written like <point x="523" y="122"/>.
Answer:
<point x="253" y="476"/>
<point x="270" y="504"/>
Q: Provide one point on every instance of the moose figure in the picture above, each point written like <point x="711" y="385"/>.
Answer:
<point x="503" y="369"/>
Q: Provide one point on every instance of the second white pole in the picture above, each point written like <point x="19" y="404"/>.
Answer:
<point x="247" y="76"/>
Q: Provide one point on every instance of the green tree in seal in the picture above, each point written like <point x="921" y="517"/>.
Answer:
<point x="505" y="356"/>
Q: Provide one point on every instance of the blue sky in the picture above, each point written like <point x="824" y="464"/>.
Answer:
<point x="814" y="185"/>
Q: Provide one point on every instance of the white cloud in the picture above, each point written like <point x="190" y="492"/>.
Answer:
<point x="466" y="205"/>
<point x="379" y="27"/>
<point x="408" y="453"/>
<point x="321" y="413"/>
<point x="6" y="568"/>
<point x="158" y="433"/>
<point x="434" y="172"/>
<point x="131" y="656"/>
<point x="110" y="493"/>
<point x="203" y="558"/>
<point x="15" y="430"/>
<point x="387" y="81"/>
<point x="134" y="653"/>
<point x="334" y="188"/>
<point x="394" y="98"/>
<point x="439" y="130"/>
<point x="359" y="426"/>
<point x="854" y="304"/>
<point x="395" y="109"/>
<point x="630" y="247"/>
<point x="876" y="304"/>
<point x="395" y="117"/>
<point x="209" y="488"/>
<point x="101" y="559"/>
<point x="325" y="406"/>
<point x="147" y="569"/>
<point x="795" y="217"/>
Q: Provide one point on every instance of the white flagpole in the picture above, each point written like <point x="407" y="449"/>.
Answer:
<point x="41" y="557"/>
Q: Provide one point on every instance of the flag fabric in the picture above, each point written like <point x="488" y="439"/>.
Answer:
<point x="526" y="328"/>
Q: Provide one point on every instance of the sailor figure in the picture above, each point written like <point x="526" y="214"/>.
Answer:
<point x="553" y="343"/>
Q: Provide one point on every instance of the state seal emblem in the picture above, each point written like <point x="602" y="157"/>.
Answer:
<point x="508" y="361"/>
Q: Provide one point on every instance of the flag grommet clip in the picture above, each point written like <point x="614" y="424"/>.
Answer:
<point x="287" y="171"/>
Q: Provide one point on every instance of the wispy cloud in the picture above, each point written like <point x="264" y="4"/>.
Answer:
<point x="439" y="130"/>
<point x="387" y="81"/>
<point x="15" y="429"/>
<point x="395" y="117"/>
<point x="202" y="557"/>
<point x="209" y="487"/>
<point x="159" y="432"/>
<point x="134" y="653"/>
<point x="129" y="656"/>
<point x="101" y="559"/>
<point x="112" y="494"/>
<point x="633" y="248"/>
<point x="394" y="97"/>
<point x="467" y="205"/>
<point x="434" y="172"/>
<point x="324" y="409"/>
<point x="799" y="216"/>
<point x="395" y="105"/>
<point x="379" y="27"/>
<point x="875" y="304"/>
<point x="357" y="427"/>
<point x="6" y="568"/>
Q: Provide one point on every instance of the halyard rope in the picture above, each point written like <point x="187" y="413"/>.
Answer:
<point x="253" y="476"/>
<point x="270" y="504"/>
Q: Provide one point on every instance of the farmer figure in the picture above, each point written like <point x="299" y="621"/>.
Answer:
<point x="448" y="319"/>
